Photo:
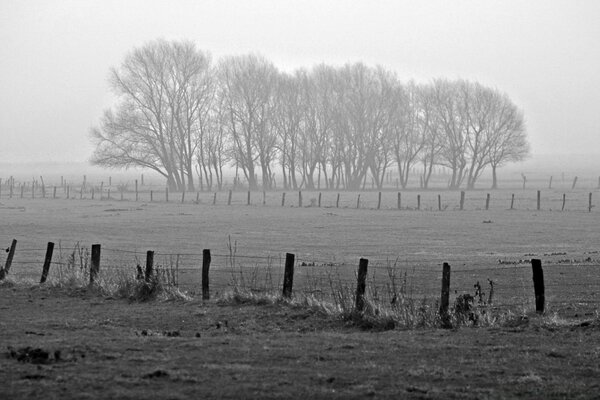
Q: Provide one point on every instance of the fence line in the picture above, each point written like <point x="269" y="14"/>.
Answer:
<point x="567" y="284"/>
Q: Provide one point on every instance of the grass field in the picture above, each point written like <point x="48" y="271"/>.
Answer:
<point x="112" y="348"/>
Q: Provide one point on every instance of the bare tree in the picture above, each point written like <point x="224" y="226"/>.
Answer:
<point x="248" y="84"/>
<point x="152" y="126"/>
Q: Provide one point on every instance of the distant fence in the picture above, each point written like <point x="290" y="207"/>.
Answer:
<point x="567" y="285"/>
<point x="402" y="200"/>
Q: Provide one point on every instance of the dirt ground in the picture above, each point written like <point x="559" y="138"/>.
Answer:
<point x="96" y="347"/>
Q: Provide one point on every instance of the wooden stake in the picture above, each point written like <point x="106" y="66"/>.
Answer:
<point x="9" y="258"/>
<point x="229" y="198"/>
<point x="282" y="199"/>
<point x="439" y="202"/>
<point x="288" y="275"/>
<point x="564" y="202"/>
<point x="337" y="201"/>
<point x="590" y="203"/>
<point x="205" y="267"/>
<point x="462" y="200"/>
<point x="512" y="201"/>
<point x="182" y="196"/>
<point x="399" y="201"/>
<point x="248" y="197"/>
<point x="379" y="201"/>
<point x="167" y="194"/>
<point x="136" y="190"/>
<point x="445" y="299"/>
<point x="418" y="202"/>
<point x="215" y="199"/>
<point x="319" y="199"/>
<point x="358" y="201"/>
<point x="538" y="285"/>
<point x="487" y="202"/>
<point x="300" y="198"/>
<point x="539" y="199"/>
<point x="574" y="183"/>
<point x="95" y="263"/>
<point x="149" y="265"/>
<point x="47" y="261"/>
<point x="361" y="284"/>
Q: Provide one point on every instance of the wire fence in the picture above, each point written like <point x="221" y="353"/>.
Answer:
<point x="572" y="285"/>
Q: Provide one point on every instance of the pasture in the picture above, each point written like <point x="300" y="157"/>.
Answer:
<point x="180" y="349"/>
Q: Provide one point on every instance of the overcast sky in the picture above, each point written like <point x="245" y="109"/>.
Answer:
<point x="55" y="56"/>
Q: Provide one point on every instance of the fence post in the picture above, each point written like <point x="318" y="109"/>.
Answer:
<point x="248" y="197"/>
<point x="445" y="299"/>
<point x="319" y="199"/>
<point x="439" y="202"/>
<point x="539" y="199"/>
<point x="590" y="203"/>
<point x="229" y="198"/>
<point x="379" y="201"/>
<point x="92" y="193"/>
<point x="108" y="193"/>
<point x="538" y="285"/>
<point x="574" y="183"/>
<point x="512" y="201"/>
<point x="54" y="192"/>
<point x="337" y="201"/>
<point x="136" y="190"/>
<point x="215" y="199"/>
<point x="9" y="258"/>
<point x="300" y="198"/>
<point x="399" y="201"/>
<point x="167" y="194"/>
<point x="95" y="263"/>
<point x="151" y="196"/>
<point x="288" y="275"/>
<point x="487" y="201"/>
<point x="22" y="189"/>
<point x="205" y="267"/>
<point x="462" y="200"/>
<point x="564" y="201"/>
<point x="47" y="261"/>
<point x="149" y="265"/>
<point x="264" y="197"/>
<point x="282" y="199"/>
<point x="358" y="201"/>
<point x="418" y="202"/>
<point x="182" y="196"/>
<point x="361" y="284"/>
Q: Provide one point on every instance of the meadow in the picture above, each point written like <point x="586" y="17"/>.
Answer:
<point x="267" y="347"/>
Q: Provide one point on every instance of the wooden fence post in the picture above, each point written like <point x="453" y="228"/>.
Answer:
<point x="229" y="198"/>
<point x="183" y="196"/>
<point x="149" y="265"/>
<point x="9" y="258"/>
<point x="68" y="191"/>
<point x="462" y="200"/>
<point x="136" y="190"/>
<point x="108" y="193"/>
<point x="337" y="201"/>
<point x="358" y="201"/>
<point x="215" y="199"/>
<point x="550" y="183"/>
<point x="95" y="263"/>
<point x="264" y="197"/>
<point x="283" y="199"/>
<point x="445" y="299"/>
<point x="439" y="202"/>
<point x="379" y="201"/>
<point x="487" y="201"/>
<point x="574" y="183"/>
<point x="22" y="189"/>
<point x="205" y="268"/>
<point x="399" y="201"/>
<point x="418" y="202"/>
<point x="248" y="197"/>
<point x="539" y="199"/>
<point x="47" y="261"/>
<point x="54" y="192"/>
<point x="512" y="201"/>
<point x="319" y="199"/>
<point x="167" y="194"/>
<point x="564" y="202"/>
<point x="590" y="203"/>
<point x="288" y="275"/>
<point x="300" y="198"/>
<point x="538" y="285"/>
<point x="361" y="284"/>
<point x="92" y="193"/>
<point x="151" y="196"/>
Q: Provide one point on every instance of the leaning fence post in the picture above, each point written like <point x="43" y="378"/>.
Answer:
<point x="445" y="300"/>
<point x="512" y="201"/>
<point x="47" y="261"/>
<point x="149" y="265"/>
<point x="358" y="201"/>
<point x="538" y="285"/>
<point x="205" y="267"/>
<point x="9" y="258"/>
<point x="95" y="263"/>
<point x="183" y="196"/>
<point x="361" y="284"/>
<point x="288" y="275"/>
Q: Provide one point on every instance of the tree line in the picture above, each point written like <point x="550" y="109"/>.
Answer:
<point x="187" y="118"/>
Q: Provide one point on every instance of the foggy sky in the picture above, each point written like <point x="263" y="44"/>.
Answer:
<point x="55" y="56"/>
